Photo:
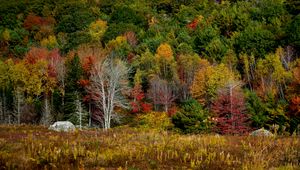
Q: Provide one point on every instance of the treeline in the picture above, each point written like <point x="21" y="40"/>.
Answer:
<point x="211" y="66"/>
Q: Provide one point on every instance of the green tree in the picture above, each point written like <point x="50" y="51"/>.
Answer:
<point x="72" y="88"/>
<point x="192" y="118"/>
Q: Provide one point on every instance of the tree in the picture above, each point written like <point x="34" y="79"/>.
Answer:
<point x="138" y="104"/>
<point x="273" y="76"/>
<point x="97" y="29"/>
<point x="256" y="40"/>
<point x="192" y="118"/>
<point x="166" y="63"/>
<point x="4" y="83"/>
<point x="188" y="65"/>
<point x="257" y="110"/>
<point x="108" y="84"/>
<point x="19" y="75"/>
<point x="161" y="93"/>
<point x="208" y="80"/>
<point x="73" y="76"/>
<point x="229" y="109"/>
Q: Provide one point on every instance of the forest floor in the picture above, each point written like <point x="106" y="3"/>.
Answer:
<point x="36" y="147"/>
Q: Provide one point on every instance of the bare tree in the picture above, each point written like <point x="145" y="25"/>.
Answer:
<point x="161" y="93"/>
<point x="18" y="103"/>
<point x="46" y="118"/>
<point x="81" y="113"/>
<point x="108" y="84"/>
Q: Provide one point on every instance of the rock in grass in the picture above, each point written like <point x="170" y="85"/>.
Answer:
<point x="261" y="132"/>
<point x="64" y="126"/>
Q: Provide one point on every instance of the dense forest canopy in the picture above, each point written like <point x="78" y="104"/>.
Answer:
<point x="209" y="65"/>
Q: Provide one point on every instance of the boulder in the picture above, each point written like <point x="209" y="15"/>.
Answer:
<point x="261" y="132"/>
<point x="64" y="126"/>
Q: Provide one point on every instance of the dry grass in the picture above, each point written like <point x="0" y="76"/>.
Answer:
<point x="34" y="147"/>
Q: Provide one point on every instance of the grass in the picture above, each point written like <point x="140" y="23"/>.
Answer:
<point x="35" y="147"/>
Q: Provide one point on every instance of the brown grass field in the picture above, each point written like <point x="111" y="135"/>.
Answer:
<point x="36" y="147"/>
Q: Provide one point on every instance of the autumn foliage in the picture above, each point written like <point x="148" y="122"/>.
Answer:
<point x="229" y="109"/>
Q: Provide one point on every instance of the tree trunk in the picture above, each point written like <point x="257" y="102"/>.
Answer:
<point x="19" y="107"/>
<point x="90" y="115"/>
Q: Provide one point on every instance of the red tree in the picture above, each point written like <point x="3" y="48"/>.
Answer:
<point x="229" y="108"/>
<point x="138" y="104"/>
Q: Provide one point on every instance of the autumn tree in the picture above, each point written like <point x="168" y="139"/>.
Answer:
<point x="188" y="65"/>
<point x="229" y="109"/>
<point x="272" y="74"/>
<point x="97" y="29"/>
<point x="166" y="62"/>
<point x="208" y="80"/>
<point x="19" y="76"/>
<point x="138" y="104"/>
<point x="108" y="84"/>
<point x="161" y="93"/>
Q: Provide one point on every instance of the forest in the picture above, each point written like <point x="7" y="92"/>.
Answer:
<point x="188" y="66"/>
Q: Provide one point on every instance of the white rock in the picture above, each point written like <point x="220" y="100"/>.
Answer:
<point x="261" y="132"/>
<point x="64" y="126"/>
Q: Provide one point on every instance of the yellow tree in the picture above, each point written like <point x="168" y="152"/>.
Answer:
<point x="166" y="63"/>
<point x="18" y="75"/>
<point x="208" y="80"/>
<point x="273" y="76"/>
<point x="49" y="42"/>
<point x="97" y="29"/>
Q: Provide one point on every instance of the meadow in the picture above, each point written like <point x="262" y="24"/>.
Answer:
<point x="36" y="147"/>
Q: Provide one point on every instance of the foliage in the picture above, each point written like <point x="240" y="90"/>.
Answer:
<point x="154" y="120"/>
<point x="208" y="80"/>
<point x="256" y="40"/>
<point x="178" y="49"/>
<point x="192" y="118"/>
<point x="97" y="29"/>
<point x="256" y="109"/>
<point x="229" y="111"/>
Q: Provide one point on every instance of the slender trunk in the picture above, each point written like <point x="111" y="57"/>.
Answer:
<point x="47" y="111"/>
<point x="231" y="114"/>
<point x="19" y="107"/>
<point x="90" y="115"/>
<point x="166" y="108"/>
<point x="262" y="84"/>
<point x="80" y="115"/>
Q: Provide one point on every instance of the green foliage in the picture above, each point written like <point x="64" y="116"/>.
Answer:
<point x="115" y="30"/>
<point x="256" y="39"/>
<point x="267" y="10"/>
<point x="127" y="15"/>
<point x="266" y="113"/>
<point x="257" y="109"/>
<point x="192" y="118"/>
<point x="74" y="40"/>
<point x="204" y="37"/>
<point x="294" y="32"/>
<point x="72" y="89"/>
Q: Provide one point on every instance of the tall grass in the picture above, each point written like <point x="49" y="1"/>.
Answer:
<point x="33" y="147"/>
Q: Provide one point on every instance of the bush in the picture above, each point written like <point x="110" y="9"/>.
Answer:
<point x="154" y="120"/>
<point x="192" y="118"/>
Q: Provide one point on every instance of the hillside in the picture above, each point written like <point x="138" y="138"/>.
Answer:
<point x="202" y="66"/>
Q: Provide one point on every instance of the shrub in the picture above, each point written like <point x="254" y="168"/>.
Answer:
<point x="154" y="120"/>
